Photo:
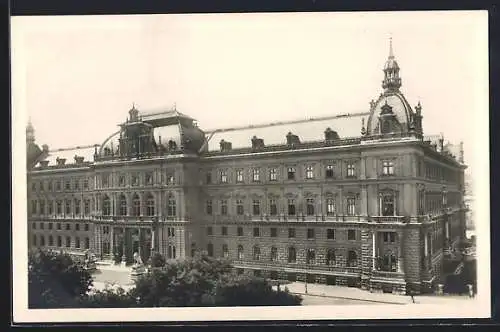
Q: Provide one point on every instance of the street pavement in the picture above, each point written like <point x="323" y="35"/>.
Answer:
<point x="317" y="294"/>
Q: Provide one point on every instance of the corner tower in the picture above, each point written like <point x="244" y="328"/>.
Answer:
<point x="391" y="113"/>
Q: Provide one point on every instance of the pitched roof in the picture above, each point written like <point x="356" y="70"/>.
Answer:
<point x="87" y="152"/>
<point x="308" y="130"/>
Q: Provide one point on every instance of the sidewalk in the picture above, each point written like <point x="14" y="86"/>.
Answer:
<point x="343" y="292"/>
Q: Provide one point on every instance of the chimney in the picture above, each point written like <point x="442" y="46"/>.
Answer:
<point x="78" y="159"/>
<point x="330" y="134"/>
<point x="225" y="146"/>
<point x="257" y="143"/>
<point x="60" y="161"/>
<point x="292" y="139"/>
<point x="44" y="163"/>
<point x="441" y="144"/>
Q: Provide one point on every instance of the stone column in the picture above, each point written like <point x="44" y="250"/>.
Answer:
<point x="374" y="250"/>
<point x="364" y="201"/>
<point x="111" y="241"/>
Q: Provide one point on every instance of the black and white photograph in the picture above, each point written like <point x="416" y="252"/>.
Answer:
<point x="256" y="166"/>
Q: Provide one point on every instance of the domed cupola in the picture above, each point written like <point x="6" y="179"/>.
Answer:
<point x="391" y="113"/>
<point x="392" y="81"/>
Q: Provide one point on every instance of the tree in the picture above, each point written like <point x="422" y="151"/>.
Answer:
<point x="157" y="260"/>
<point x="55" y="280"/>
<point x="204" y="281"/>
<point x="108" y="298"/>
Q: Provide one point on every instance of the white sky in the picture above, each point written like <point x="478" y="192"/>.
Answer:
<point x="82" y="73"/>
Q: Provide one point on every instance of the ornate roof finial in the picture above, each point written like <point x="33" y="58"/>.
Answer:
<point x="391" y="52"/>
<point x="175" y="106"/>
<point x="363" y="129"/>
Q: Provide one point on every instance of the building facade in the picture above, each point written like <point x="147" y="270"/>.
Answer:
<point x="371" y="203"/>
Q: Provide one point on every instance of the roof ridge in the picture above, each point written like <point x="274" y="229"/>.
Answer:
<point x="78" y="147"/>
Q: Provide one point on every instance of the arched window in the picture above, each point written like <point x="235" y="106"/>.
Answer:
<point x="292" y="255"/>
<point x="256" y="253"/>
<point x="330" y="257"/>
<point x="210" y="249"/>
<point x="274" y="254"/>
<point x="42" y="240"/>
<point x="150" y="205"/>
<point x="240" y="252"/>
<point x="123" y="205"/>
<point x="136" y="205"/>
<point x="106" y="206"/>
<point x="172" y="208"/>
<point x="352" y="258"/>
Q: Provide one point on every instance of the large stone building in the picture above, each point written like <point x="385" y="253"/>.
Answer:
<point x="363" y="200"/>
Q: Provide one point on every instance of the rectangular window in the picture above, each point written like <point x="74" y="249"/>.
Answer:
<point x="121" y="180"/>
<point x="291" y="232"/>
<point x="387" y="167"/>
<point x="208" y="178"/>
<point x="170" y="179"/>
<point x="59" y="241"/>
<point x="256" y="207"/>
<point x="33" y="225"/>
<point x="223" y="176"/>
<point x="105" y="180"/>
<point x="58" y="185"/>
<point x="149" y="179"/>
<point x="330" y="206"/>
<point x="330" y="234"/>
<point x="351" y="235"/>
<point x="33" y="207"/>
<point x="239" y="175"/>
<point x="310" y="206"/>
<point x="309" y="172"/>
<point x="77" y="206"/>
<point x="273" y="209"/>
<point x="273" y="174"/>
<point x="209" y="230"/>
<point x="68" y="242"/>
<point x="67" y="184"/>
<point x="351" y="206"/>
<point x="87" y="243"/>
<point x="33" y="186"/>
<point x="256" y="175"/>
<point x="42" y="225"/>
<point x="68" y="206"/>
<point x="256" y="232"/>
<point x="239" y="207"/>
<point x="291" y="207"/>
<point x="68" y="226"/>
<point x="329" y="171"/>
<point x="42" y="207"/>
<point x="225" y="251"/>
<point x="310" y="233"/>
<point x="77" y="242"/>
<point x="291" y="173"/>
<point x="224" y="230"/>
<point x="58" y="226"/>
<point x="134" y="179"/>
<point x="351" y="170"/>
<point x="76" y="184"/>
<point x="240" y="231"/>
<point x="85" y="183"/>
<point x="274" y="232"/>
<point x="209" y="207"/>
<point x="223" y="207"/>
<point x="86" y="227"/>
<point x="50" y="185"/>
<point x="87" y="207"/>
<point x="77" y="227"/>
<point x="50" y="225"/>
<point x="59" y="207"/>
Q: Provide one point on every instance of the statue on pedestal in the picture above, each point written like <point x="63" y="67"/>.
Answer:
<point x="138" y="268"/>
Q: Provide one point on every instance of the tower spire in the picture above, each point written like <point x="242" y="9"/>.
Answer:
<point x="392" y="81"/>
<point x="391" y="52"/>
